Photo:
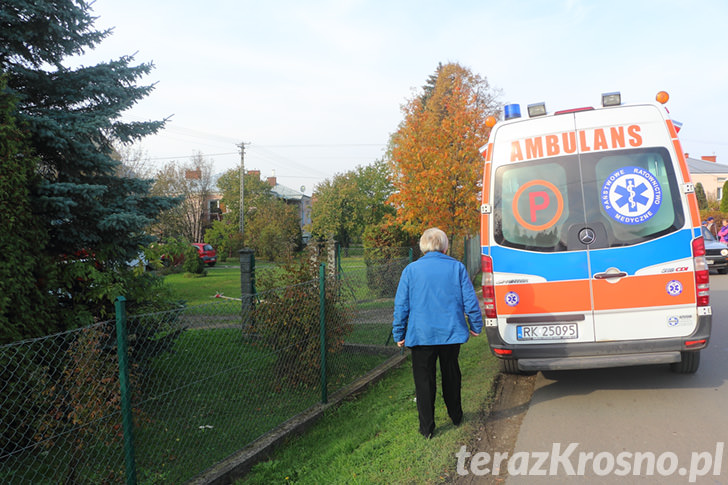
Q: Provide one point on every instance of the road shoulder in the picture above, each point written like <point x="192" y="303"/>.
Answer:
<point x="499" y="426"/>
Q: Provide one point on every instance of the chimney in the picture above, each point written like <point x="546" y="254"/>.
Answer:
<point x="254" y="173"/>
<point x="272" y="181"/>
<point x="687" y="155"/>
<point x="193" y="174"/>
<point x="710" y="158"/>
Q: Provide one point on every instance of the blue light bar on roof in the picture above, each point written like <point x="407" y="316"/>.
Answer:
<point x="512" y="111"/>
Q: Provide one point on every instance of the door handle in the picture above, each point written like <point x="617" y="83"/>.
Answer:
<point x="610" y="273"/>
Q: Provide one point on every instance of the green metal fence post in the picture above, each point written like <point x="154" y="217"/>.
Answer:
<point x="411" y="255"/>
<point x="338" y="260"/>
<point x="126" y="417"/>
<point x="466" y="256"/>
<point x="247" y="284"/>
<point x="322" y="323"/>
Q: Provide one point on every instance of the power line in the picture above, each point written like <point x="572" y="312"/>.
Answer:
<point x="190" y="156"/>
<point x="335" y="145"/>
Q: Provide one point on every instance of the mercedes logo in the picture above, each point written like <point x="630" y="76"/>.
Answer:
<point x="587" y="236"/>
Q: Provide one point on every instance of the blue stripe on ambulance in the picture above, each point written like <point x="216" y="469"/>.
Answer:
<point x="572" y="265"/>
<point x="630" y="259"/>
<point x="551" y="266"/>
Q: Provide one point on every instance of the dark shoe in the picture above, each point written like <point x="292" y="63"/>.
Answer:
<point x="427" y="436"/>
<point x="457" y="422"/>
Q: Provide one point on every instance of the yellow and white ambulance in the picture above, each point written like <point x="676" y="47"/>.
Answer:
<point x="592" y="251"/>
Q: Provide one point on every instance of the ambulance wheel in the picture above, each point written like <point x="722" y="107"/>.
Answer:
<point x="510" y="366"/>
<point x="723" y="271"/>
<point x="688" y="364"/>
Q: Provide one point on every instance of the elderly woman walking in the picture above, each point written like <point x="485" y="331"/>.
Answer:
<point x="433" y="298"/>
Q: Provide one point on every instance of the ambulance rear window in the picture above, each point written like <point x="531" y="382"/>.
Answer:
<point x="533" y="200"/>
<point x="638" y="194"/>
<point x="626" y="196"/>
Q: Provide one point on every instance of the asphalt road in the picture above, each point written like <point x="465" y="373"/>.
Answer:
<point x="625" y="425"/>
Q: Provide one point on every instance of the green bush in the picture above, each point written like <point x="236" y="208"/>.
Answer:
<point x="385" y="255"/>
<point x="193" y="262"/>
<point x="225" y="238"/>
<point x="288" y="321"/>
<point x="23" y="378"/>
<point x="724" y="199"/>
<point x="700" y="195"/>
<point x="27" y="274"/>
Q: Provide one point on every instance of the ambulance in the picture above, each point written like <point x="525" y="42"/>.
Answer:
<point x="592" y="250"/>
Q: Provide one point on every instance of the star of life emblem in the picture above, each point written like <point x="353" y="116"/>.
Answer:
<point x="674" y="288"/>
<point x="631" y="195"/>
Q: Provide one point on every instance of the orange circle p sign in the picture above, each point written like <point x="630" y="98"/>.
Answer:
<point x="538" y="205"/>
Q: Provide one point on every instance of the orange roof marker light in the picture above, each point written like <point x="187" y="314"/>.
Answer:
<point x="662" y="97"/>
<point x="490" y="121"/>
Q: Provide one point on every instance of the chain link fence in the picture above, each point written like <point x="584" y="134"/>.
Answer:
<point x="201" y="382"/>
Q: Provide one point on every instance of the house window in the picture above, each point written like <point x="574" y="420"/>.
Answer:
<point x="214" y="210"/>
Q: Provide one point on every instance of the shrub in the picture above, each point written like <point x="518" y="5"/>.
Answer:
<point x="23" y="376"/>
<point x="193" y="262"/>
<point x="700" y="195"/>
<point x="385" y="255"/>
<point x="225" y="238"/>
<point x="724" y="199"/>
<point x="82" y="402"/>
<point x="168" y="256"/>
<point x="288" y="320"/>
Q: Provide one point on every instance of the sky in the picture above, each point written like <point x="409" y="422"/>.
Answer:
<point x="314" y="87"/>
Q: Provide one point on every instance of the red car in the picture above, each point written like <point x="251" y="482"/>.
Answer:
<point x="207" y="253"/>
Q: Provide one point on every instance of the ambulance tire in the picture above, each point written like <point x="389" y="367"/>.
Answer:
<point x="689" y="363"/>
<point x="510" y="366"/>
<point x="723" y="271"/>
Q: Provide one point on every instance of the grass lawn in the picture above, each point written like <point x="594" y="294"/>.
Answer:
<point x="374" y="438"/>
<point x="215" y="391"/>
<point x="223" y="278"/>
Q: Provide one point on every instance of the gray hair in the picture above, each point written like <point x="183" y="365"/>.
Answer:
<point x="434" y="239"/>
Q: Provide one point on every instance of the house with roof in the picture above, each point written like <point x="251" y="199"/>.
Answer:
<point x="299" y="200"/>
<point x="214" y="207"/>
<point x="711" y="175"/>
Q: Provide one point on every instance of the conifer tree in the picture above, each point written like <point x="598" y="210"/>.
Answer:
<point x="700" y="195"/>
<point x="95" y="219"/>
<point x="23" y="272"/>
<point x="724" y="198"/>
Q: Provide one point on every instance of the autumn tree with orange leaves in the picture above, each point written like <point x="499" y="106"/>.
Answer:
<point x="434" y="156"/>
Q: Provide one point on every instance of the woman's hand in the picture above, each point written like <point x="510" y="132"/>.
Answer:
<point x="474" y="334"/>
<point x="400" y="343"/>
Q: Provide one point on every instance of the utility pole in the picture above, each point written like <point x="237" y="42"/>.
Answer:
<point x="247" y="257"/>
<point x="242" y="191"/>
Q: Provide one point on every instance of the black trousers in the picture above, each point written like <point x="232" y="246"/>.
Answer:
<point x="424" y="359"/>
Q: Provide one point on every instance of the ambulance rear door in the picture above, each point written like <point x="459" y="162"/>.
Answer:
<point x="541" y="270"/>
<point x="638" y="240"/>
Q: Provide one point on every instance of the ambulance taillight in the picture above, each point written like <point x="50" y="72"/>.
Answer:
<point x="702" y="273"/>
<point x="486" y="264"/>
